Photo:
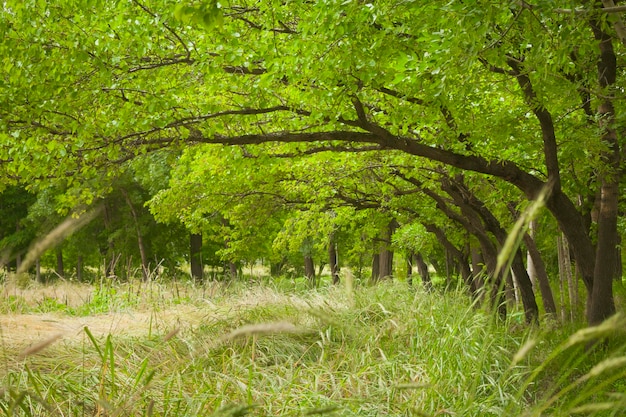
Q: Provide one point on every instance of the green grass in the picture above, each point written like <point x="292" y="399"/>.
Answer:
<point x="382" y="351"/>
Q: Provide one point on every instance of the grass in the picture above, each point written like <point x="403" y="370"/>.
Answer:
<point x="286" y="351"/>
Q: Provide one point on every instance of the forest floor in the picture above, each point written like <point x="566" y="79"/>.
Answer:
<point x="20" y="330"/>
<point x="63" y="310"/>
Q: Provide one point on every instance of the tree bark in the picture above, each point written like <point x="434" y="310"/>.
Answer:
<point x="195" y="256"/>
<point x="233" y="270"/>
<point x="541" y="275"/>
<point x="565" y="278"/>
<point x="460" y="257"/>
<point x="422" y="268"/>
<point x="59" y="269"/>
<point x="79" y="268"/>
<point x="602" y="302"/>
<point x="38" y="275"/>
<point x="375" y="268"/>
<point x="409" y="269"/>
<point x="142" y="248"/>
<point x="475" y="209"/>
<point x="309" y="270"/>
<point x="386" y="254"/>
<point x="333" y="259"/>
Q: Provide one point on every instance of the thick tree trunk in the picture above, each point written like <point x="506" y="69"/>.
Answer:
<point x="422" y="268"/>
<point x="602" y="304"/>
<point x="386" y="263"/>
<point x="195" y="256"/>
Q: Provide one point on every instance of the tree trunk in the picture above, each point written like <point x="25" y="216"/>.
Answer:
<point x="461" y="258"/>
<point x="530" y="263"/>
<point x="59" y="269"/>
<point x="386" y="263"/>
<point x="375" y="268"/>
<point x="110" y="258"/>
<point x="409" y="269"/>
<point x="565" y="279"/>
<point x="276" y="267"/>
<point x="333" y="259"/>
<point x="448" y="267"/>
<point x="309" y="270"/>
<point x="386" y="254"/>
<point x="233" y="271"/>
<point x="602" y="304"/>
<point x="142" y="249"/>
<point x="470" y="204"/>
<point x="38" y="275"/>
<point x="79" y="268"/>
<point x="541" y="275"/>
<point x="422" y="268"/>
<point x="195" y="256"/>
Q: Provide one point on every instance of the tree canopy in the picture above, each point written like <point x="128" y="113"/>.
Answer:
<point x="372" y="104"/>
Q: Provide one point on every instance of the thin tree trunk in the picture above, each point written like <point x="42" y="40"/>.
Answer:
<point x="409" y="269"/>
<point x="38" y="275"/>
<point x="565" y="277"/>
<point x="333" y="259"/>
<point x="541" y="276"/>
<point x="195" y="256"/>
<point x="530" y="262"/>
<point x="309" y="270"/>
<point x="422" y="268"/>
<point x="79" y="268"/>
<point x="18" y="257"/>
<point x="386" y="254"/>
<point x="460" y="256"/>
<point x="140" y="244"/>
<point x="59" y="269"/>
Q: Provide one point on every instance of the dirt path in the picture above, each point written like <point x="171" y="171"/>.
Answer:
<point x="21" y="330"/>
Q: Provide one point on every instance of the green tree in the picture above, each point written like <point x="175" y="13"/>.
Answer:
<point x="511" y="90"/>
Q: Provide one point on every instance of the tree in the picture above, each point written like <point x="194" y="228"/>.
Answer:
<point x="512" y="93"/>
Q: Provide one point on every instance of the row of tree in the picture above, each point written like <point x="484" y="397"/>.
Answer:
<point x="448" y="116"/>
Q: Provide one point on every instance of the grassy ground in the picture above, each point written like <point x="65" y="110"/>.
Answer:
<point x="281" y="350"/>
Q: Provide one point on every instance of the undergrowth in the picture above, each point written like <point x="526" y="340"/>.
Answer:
<point x="385" y="350"/>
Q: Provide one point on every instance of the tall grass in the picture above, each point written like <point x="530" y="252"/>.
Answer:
<point x="378" y="351"/>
